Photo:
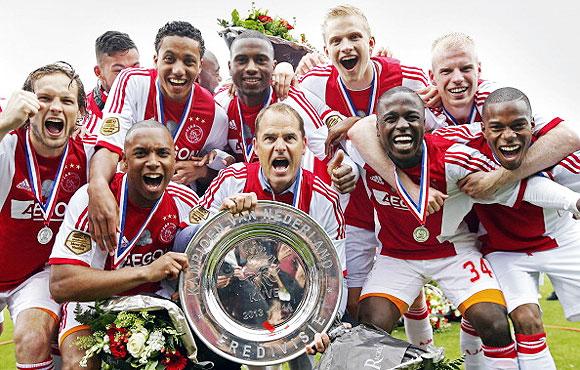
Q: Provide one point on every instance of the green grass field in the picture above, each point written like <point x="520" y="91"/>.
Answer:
<point x="563" y="337"/>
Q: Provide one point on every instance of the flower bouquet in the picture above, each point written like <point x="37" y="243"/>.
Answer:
<point x="286" y="47"/>
<point x="439" y="308"/>
<point x="138" y="332"/>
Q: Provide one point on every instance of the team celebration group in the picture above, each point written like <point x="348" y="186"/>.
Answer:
<point x="414" y="177"/>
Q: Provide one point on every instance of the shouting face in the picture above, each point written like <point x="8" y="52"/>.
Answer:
<point x="401" y="127"/>
<point x="507" y="127"/>
<point x="279" y="144"/>
<point x="149" y="160"/>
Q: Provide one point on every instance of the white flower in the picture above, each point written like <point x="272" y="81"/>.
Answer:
<point x="156" y="341"/>
<point x="136" y="344"/>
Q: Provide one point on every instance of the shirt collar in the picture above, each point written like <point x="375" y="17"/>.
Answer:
<point x="266" y="184"/>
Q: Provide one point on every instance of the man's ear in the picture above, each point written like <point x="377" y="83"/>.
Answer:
<point x="371" y="44"/>
<point x="432" y="77"/>
<point x="326" y="51"/>
<point x="97" y="71"/>
<point x="155" y="59"/>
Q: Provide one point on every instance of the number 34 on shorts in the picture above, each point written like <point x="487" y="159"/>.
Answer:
<point x="477" y="269"/>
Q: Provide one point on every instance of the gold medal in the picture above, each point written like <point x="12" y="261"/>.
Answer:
<point x="421" y="234"/>
<point x="44" y="236"/>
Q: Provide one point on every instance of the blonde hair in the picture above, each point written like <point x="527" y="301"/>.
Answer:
<point x="345" y="10"/>
<point x="453" y="41"/>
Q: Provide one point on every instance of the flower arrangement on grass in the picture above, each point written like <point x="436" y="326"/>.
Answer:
<point x="439" y="308"/>
<point x="131" y="340"/>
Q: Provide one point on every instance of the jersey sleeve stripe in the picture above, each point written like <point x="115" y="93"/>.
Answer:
<point x="550" y="125"/>
<point x="121" y="91"/>
<point x="111" y="147"/>
<point x="209" y="195"/>
<point x="301" y="100"/>
<point x="81" y="218"/>
<point x="67" y="261"/>
<point x="333" y="197"/>
<point x="468" y="162"/>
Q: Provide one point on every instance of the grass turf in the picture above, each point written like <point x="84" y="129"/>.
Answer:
<point x="563" y="337"/>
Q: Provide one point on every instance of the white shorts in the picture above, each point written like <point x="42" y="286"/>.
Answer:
<point x="518" y="276"/>
<point x="361" y="249"/>
<point x="32" y="293"/>
<point x="68" y="321"/>
<point x="460" y="277"/>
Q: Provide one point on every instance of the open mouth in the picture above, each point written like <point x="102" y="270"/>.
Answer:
<point x="153" y="181"/>
<point x="280" y="165"/>
<point x="177" y="82"/>
<point x="54" y="126"/>
<point x="510" y="151"/>
<point x="403" y="142"/>
<point x="458" y="90"/>
<point x="349" y="62"/>
<point x="252" y="80"/>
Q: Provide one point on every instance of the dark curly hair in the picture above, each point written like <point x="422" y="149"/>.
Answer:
<point x="112" y="42"/>
<point x="179" y="28"/>
<point x="58" y="67"/>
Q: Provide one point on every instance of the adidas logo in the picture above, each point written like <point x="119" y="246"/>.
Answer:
<point x="24" y="185"/>
<point x="377" y="179"/>
<point x="232" y="125"/>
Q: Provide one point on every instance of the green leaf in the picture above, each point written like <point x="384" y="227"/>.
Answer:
<point x="235" y="16"/>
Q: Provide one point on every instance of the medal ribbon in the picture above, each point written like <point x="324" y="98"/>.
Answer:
<point x="161" y="112"/>
<point x="47" y="208"/>
<point x="348" y="99"/>
<point x="247" y="135"/>
<point x="454" y="120"/>
<point x="419" y="209"/>
<point x="123" y="248"/>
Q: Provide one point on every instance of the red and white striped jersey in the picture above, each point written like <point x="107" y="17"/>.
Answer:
<point x="439" y="118"/>
<point x="567" y="172"/>
<point x="323" y="81"/>
<point x="394" y="223"/>
<point x="526" y="227"/>
<point x="74" y="246"/>
<point x="314" y="197"/>
<point x="134" y="98"/>
<point x="312" y="110"/>
<point x="21" y="218"/>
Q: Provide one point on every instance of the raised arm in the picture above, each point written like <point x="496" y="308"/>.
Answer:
<point x="103" y="208"/>
<point x="548" y="150"/>
<point x="21" y="106"/>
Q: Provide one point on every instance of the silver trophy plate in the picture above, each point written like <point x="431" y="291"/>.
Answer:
<point x="260" y="285"/>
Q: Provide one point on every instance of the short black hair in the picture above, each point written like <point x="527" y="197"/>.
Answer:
<point x="398" y="90"/>
<point x="58" y="67"/>
<point x="253" y="34"/>
<point x="112" y="42"/>
<point x="180" y="28"/>
<point x="150" y="123"/>
<point x="506" y="94"/>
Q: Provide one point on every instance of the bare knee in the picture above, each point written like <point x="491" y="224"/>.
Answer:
<point x="71" y="355"/>
<point x="378" y="311"/>
<point x="491" y="323"/>
<point x="527" y="319"/>
<point x="32" y="340"/>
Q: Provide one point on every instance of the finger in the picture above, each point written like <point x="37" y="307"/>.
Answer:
<point x="254" y="198"/>
<point x="430" y="210"/>
<point x="96" y="235"/>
